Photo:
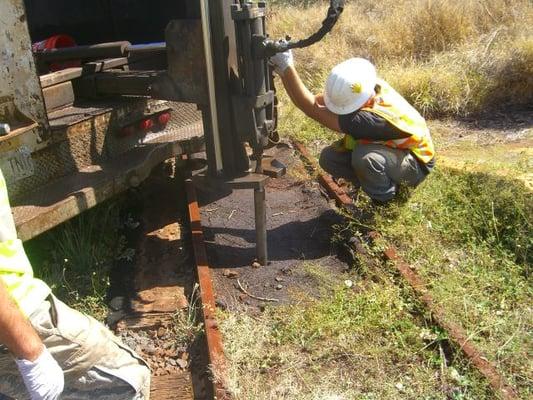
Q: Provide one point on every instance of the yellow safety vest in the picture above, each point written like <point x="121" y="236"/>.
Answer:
<point x="15" y="269"/>
<point x="391" y="106"/>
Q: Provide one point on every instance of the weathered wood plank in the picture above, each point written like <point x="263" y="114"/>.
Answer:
<point x="165" y="387"/>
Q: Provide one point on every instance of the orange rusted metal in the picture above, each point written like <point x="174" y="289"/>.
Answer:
<point x="217" y="359"/>
<point x="456" y="332"/>
<point x="327" y="182"/>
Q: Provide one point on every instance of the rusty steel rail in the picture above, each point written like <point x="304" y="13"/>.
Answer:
<point x="455" y="331"/>
<point x="327" y="182"/>
<point x="217" y="359"/>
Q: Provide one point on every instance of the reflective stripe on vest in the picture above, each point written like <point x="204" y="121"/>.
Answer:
<point x="389" y="105"/>
<point x="15" y="268"/>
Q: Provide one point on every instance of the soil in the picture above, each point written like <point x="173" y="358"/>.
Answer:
<point x="299" y="223"/>
<point x="510" y="126"/>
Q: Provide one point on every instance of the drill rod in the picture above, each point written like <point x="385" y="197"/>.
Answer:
<point x="260" y="226"/>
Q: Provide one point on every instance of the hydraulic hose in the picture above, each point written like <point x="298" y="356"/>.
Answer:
<point x="271" y="47"/>
<point x="334" y="12"/>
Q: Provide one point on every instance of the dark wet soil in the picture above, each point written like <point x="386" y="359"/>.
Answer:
<point x="299" y="221"/>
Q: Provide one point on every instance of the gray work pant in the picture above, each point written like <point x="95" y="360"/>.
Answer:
<point x="95" y="363"/>
<point x="376" y="168"/>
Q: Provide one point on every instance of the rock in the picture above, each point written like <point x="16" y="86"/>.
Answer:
<point x="182" y="363"/>
<point x="115" y="317"/>
<point x="173" y="362"/>
<point x="279" y="287"/>
<point x="255" y="264"/>
<point x="161" y="332"/>
<point x="117" y="303"/>
<point x="230" y="274"/>
<point x="279" y="279"/>
<point x="286" y="271"/>
<point x="221" y="304"/>
<point x="150" y="350"/>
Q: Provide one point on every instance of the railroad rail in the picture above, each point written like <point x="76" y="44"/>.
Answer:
<point x="456" y="332"/>
<point x="206" y="379"/>
<point x="172" y="276"/>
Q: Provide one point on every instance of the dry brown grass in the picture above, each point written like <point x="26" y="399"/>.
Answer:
<point x="450" y="57"/>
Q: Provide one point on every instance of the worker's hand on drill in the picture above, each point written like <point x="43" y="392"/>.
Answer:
<point x="43" y="377"/>
<point x="281" y="61"/>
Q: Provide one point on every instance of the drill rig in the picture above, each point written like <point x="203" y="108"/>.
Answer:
<point x="212" y="54"/>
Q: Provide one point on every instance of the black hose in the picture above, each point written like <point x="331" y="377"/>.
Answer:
<point x="334" y="11"/>
<point x="271" y="47"/>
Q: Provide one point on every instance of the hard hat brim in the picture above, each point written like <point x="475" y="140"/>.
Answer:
<point x="350" y="85"/>
<point x="347" y="109"/>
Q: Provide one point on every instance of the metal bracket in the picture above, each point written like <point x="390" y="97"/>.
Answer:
<point x="185" y="79"/>
<point x="247" y="11"/>
<point x="245" y="121"/>
<point x="273" y="167"/>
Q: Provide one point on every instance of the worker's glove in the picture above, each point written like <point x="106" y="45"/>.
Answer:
<point x="43" y="377"/>
<point x="281" y="61"/>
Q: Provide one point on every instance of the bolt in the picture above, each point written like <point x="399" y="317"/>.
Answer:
<point x="4" y="129"/>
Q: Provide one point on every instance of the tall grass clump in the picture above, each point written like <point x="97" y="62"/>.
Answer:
<point x="75" y="258"/>
<point x="448" y="57"/>
<point x="470" y="235"/>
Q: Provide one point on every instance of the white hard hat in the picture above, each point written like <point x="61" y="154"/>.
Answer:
<point x="349" y="85"/>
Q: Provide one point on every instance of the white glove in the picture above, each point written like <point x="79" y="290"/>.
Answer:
<point x="43" y="377"/>
<point x="281" y="61"/>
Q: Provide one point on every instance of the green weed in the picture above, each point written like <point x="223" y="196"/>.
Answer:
<point x="358" y="342"/>
<point x="74" y="259"/>
<point x="469" y="235"/>
<point x="186" y="326"/>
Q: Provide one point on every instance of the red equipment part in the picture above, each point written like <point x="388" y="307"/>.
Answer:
<point x="146" y="124"/>
<point x="162" y="119"/>
<point x="56" y="42"/>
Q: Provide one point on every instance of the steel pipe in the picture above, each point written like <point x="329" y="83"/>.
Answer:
<point x="260" y="226"/>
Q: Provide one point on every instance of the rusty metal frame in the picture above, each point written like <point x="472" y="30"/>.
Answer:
<point x="455" y="331"/>
<point x="213" y="336"/>
<point x="100" y="183"/>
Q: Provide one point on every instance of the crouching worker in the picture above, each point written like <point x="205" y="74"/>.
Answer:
<point x="48" y="350"/>
<point x="386" y="141"/>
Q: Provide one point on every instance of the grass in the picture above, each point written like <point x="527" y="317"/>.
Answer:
<point x="186" y="325"/>
<point x="447" y="57"/>
<point x="470" y="236"/>
<point x="466" y="229"/>
<point x="75" y="258"/>
<point x="360" y="342"/>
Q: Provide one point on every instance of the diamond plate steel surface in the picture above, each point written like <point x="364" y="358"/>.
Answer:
<point x="86" y="135"/>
